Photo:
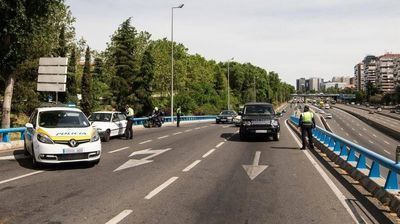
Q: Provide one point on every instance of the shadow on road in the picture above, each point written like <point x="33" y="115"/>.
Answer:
<point x="234" y="137"/>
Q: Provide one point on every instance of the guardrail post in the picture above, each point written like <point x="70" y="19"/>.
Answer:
<point x="337" y="146"/>
<point x="391" y="181"/>
<point x="398" y="154"/>
<point x="6" y="137"/>
<point x="361" y="162"/>
<point x="327" y="139"/>
<point x="343" y="150"/>
<point x="352" y="155"/>
<point x="374" y="171"/>
<point x="22" y="135"/>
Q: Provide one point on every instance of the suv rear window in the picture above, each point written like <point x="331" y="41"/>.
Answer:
<point x="258" y="109"/>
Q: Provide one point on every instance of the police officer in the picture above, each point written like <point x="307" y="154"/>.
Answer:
<point x="178" y="116"/>
<point x="307" y="123"/>
<point x="129" y="118"/>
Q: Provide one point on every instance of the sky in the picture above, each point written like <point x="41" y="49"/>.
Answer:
<point x="295" y="38"/>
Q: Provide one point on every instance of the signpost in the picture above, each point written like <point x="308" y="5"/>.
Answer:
<point x="52" y="75"/>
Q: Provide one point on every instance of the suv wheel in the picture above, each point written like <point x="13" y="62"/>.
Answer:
<point x="242" y="135"/>
<point x="276" y="136"/>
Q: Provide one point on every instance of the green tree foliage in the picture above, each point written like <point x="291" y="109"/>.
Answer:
<point x="86" y="102"/>
<point x="71" y="93"/>
<point x="143" y="84"/>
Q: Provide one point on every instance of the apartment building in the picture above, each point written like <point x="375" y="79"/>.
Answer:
<point x="370" y="69"/>
<point x="385" y="73"/>
<point x="359" y="76"/>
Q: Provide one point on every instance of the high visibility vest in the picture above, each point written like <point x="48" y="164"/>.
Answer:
<point x="130" y="112"/>
<point x="307" y="117"/>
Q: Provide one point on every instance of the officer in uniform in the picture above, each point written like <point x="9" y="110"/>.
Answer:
<point x="307" y="123"/>
<point x="129" y="118"/>
<point x="178" y="116"/>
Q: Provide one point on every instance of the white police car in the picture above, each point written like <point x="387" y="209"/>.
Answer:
<point x="61" y="135"/>
<point x="109" y="123"/>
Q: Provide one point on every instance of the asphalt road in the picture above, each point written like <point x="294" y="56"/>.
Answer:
<point x="195" y="175"/>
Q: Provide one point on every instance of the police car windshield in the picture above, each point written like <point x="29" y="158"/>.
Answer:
<point x="63" y="119"/>
<point x="102" y="117"/>
<point x="258" y="109"/>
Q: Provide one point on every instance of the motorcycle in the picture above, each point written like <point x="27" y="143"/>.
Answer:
<point x="153" y="121"/>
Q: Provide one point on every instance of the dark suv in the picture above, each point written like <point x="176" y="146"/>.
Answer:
<point x="259" y="119"/>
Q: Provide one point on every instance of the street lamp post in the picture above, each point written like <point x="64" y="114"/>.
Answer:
<point x="172" y="60"/>
<point x="229" y="103"/>
<point x="255" y="94"/>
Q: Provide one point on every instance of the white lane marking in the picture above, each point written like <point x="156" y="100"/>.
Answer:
<point x="387" y="151"/>
<point x="332" y="185"/>
<point x="353" y="129"/>
<point x="206" y="126"/>
<point x="117" y="150"/>
<point x="118" y="218"/>
<point x="22" y="176"/>
<point x="370" y="141"/>
<point x="188" y="130"/>
<point x="191" y="166"/>
<point x="387" y="142"/>
<point x="226" y="126"/>
<point x="219" y="145"/>
<point x="14" y="157"/>
<point x="355" y="141"/>
<point x="364" y="129"/>
<point x="374" y="135"/>
<point x="208" y="153"/>
<point x="165" y="136"/>
<point x="347" y="134"/>
<point x="342" y="129"/>
<point x="177" y="133"/>
<point x="147" y="141"/>
<point x="359" y="134"/>
<point x="237" y="131"/>
<point x="161" y="187"/>
<point x="197" y="128"/>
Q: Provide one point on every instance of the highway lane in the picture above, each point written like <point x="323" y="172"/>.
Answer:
<point x="353" y="129"/>
<point x="197" y="177"/>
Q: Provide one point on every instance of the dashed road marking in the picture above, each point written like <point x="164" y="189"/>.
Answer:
<point x="370" y="141"/>
<point x="219" y="145"/>
<point x="189" y="130"/>
<point x="197" y="128"/>
<point x="387" y="142"/>
<point x="165" y="136"/>
<point x="191" y="166"/>
<point x="347" y="134"/>
<point x="353" y="129"/>
<point x="387" y="151"/>
<point x="208" y="153"/>
<point x="360" y="134"/>
<point x="119" y="217"/>
<point x="160" y="188"/>
<point x="177" y="133"/>
<point x="342" y="129"/>
<point x="147" y="141"/>
<point x="22" y="176"/>
<point x="374" y="135"/>
<point x="117" y="150"/>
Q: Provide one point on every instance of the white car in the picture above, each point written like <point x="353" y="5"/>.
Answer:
<point x="237" y="120"/>
<point x="109" y="123"/>
<point x="327" y="106"/>
<point x="61" y="135"/>
<point x="328" y="116"/>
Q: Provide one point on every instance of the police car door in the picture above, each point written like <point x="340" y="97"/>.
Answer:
<point x="30" y="132"/>
<point x="115" y="124"/>
<point x="123" y="122"/>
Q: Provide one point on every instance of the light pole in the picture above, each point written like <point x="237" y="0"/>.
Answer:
<point x="255" y="94"/>
<point x="172" y="60"/>
<point x="229" y="103"/>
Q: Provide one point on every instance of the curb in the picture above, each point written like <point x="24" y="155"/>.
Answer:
<point x="387" y="198"/>
<point x="11" y="145"/>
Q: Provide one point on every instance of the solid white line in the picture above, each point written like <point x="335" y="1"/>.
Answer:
<point x="160" y="188"/>
<point x="165" y="136"/>
<point x="332" y="185"/>
<point x="387" y="142"/>
<point x="119" y="217"/>
<point x="177" y="133"/>
<point x="145" y="142"/>
<point x="22" y="176"/>
<point x="219" y="145"/>
<point x="208" y="153"/>
<point x="387" y="151"/>
<point x="14" y="157"/>
<point x="117" y="150"/>
<point x="191" y="166"/>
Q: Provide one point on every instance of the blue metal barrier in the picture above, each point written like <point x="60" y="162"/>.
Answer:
<point x="357" y="154"/>
<point x="6" y="133"/>
<point x="137" y="121"/>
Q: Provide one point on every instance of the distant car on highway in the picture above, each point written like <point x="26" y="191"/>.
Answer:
<point x="259" y="119"/>
<point x="226" y="116"/>
<point x="321" y="112"/>
<point x="61" y="135"/>
<point x="108" y="123"/>
<point x="328" y="116"/>
<point x="327" y="106"/>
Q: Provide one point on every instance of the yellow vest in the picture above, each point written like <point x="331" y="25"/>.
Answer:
<point x="307" y="117"/>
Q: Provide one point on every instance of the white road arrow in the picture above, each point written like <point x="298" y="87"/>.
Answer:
<point x="137" y="162"/>
<point x="254" y="170"/>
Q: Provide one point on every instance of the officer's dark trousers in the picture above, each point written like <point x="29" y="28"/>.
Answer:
<point x="307" y="132"/>
<point x="178" y="120"/>
<point x="128" y="130"/>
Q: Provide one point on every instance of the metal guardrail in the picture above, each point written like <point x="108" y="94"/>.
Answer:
<point x="137" y="121"/>
<point x="356" y="155"/>
<point x="6" y="133"/>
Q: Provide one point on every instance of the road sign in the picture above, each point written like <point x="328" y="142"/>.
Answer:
<point x="53" y="69"/>
<point x="53" y="61"/>
<point x="51" y="87"/>
<point x="52" y="78"/>
<point x="52" y="75"/>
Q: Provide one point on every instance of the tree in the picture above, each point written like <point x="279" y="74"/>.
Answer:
<point x="86" y="102"/>
<point x="371" y="90"/>
<point x="28" y="30"/>
<point x="71" y="92"/>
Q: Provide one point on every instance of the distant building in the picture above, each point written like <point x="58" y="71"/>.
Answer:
<point x="370" y="69"/>
<point x="385" y="73"/>
<point x="301" y="85"/>
<point x="359" y="76"/>
<point x="338" y="85"/>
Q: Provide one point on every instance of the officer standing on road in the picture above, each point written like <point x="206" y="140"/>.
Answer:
<point x="178" y="116"/>
<point x="307" y="123"/>
<point x="129" y="118"/>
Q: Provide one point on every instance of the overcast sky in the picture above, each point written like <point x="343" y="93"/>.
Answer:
<point x="296" y="38"/>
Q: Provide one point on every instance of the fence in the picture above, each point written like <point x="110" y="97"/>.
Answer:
<point x="357" y="155"/>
